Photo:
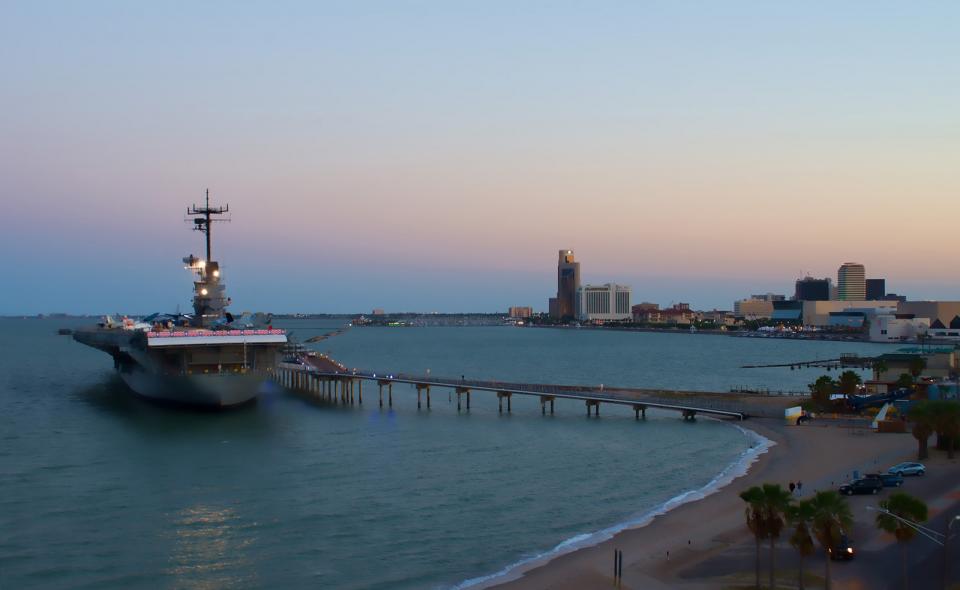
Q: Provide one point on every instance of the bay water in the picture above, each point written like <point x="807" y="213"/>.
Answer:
<point x="103" y="490"/>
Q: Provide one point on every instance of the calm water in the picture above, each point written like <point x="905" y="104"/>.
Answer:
<point x="102" y="490"/>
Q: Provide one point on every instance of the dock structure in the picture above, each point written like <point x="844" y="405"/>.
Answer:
<point x="322" y="378"/>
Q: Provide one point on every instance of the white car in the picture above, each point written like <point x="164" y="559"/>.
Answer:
<point x="908" y="468"/>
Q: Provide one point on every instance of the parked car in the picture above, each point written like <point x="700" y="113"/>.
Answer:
<point x="908" y="468"/>
<point x="889" y="480"/>
<point x="864" y="485"/>
<point x="843" y="550"/>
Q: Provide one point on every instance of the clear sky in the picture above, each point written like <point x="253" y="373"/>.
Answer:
<point x="434" y="156"/>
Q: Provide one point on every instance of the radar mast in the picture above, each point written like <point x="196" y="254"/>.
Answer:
<point x="203" y="218"/>
<point x="209" y="296"/>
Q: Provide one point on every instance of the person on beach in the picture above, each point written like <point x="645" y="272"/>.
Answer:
<point x="799" y="487"/>
<point x="792" y="487"/>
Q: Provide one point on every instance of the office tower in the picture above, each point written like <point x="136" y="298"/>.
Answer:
<point x="876" y="289"/>
<point x="568" y="281"/>
<point x="811" y="289"/>
<point x="851" y="282"/>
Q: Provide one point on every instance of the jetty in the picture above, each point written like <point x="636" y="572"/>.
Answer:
<point x="322" y="378"/>
<point x="845" y="360"/>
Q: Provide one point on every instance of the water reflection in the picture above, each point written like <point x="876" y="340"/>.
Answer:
<point x="110" y="396"/>
<point x="211" y="549"/>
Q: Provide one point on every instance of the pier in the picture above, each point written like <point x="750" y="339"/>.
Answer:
<point x="846" y="360"/>
<point x="324" y="379"/>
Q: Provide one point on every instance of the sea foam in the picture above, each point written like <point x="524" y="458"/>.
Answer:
<point x="740" y="466"/>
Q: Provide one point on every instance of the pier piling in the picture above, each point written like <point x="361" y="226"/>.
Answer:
<point x="543" y="404"/>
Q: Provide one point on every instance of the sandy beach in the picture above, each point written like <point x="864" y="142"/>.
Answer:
<point x="666" y="553"/>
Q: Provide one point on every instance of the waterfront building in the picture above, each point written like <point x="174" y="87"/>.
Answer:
<point x="942" y="331"/>
<point x="896" y="327"/>
<point x="520" y="312"/>
<point x="679" y="313"/>
<point x="719" y="317"/>
<point x="816" y="314"/>
<point x="787" y="312"/>
<point x="378" y="311"/>
<point x="941" y="363"/>
<point x="851" y="282"/>
<point x="811" y="289"/>
<point x="609" y="302"/>
<point x="876" y="289"/>
<point x="753" y="309"/>
<point x="648" y="316"/>
<point x="646" y="312"/>
<point x="944" y="311"/>
<point x="568" y="284"/>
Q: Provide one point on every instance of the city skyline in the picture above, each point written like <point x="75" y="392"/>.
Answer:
<point x="434" y="158"/>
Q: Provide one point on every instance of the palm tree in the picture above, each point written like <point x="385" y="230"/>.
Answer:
<point x="905" y="381"/>
<point x="945" y="420"/>
<point x="767" y="507"/>
<point x="951" y="427"/>
<point x="906" y="507"/>
<point x="831" y="517"/>
<point x="917" y="365"/>
<point x="922" y="417"/>
<point x="849" y="381"/>
<point x="754" y="514"/>
<point x="879" y="368"/>
<point x="799" y="516"/>
<point x="776" y="505"/>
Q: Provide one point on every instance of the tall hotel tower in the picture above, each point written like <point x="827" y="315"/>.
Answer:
<point x="852" y="282"/>
<point x="568" y="281"/>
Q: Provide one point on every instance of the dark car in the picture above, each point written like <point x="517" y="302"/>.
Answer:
<point x="889" y="480"/>
<point x="864" y="485"/>
<point x="842" y="550"/>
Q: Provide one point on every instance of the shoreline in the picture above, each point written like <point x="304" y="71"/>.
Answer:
<point x="738" y="468"/>
<point x="668" y="552"/>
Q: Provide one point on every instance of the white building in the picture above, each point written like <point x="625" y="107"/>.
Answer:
<point x="609" y="302"/>
<point x="890" y="328"/>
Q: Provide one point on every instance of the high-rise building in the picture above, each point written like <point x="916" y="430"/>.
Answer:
<point x="851" y="282"/>
<point x="568" y="281"/>
<point x="811" y="289"/>
<point x="603" y="302"/>
<point x="876" y="289"/>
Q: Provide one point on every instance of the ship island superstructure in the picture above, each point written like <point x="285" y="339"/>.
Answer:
<point x="207" y="358"/>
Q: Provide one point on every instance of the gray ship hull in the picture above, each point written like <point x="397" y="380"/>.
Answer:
<point x="209" y="391"/>
<point x="195" y="368"/>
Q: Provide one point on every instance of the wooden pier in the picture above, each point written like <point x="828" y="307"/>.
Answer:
<point x="322" y="378"/>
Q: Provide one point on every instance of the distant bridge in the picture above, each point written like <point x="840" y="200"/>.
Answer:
<point x="322" y="378"/>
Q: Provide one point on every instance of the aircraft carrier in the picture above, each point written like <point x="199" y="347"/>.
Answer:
<point x="208" y="358"/>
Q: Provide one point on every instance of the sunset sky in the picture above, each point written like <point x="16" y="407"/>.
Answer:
<point x="434" y="156"/>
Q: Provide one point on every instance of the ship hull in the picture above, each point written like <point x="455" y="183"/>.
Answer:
<point x="206" y="391"/>
<point x="191" y="368"/>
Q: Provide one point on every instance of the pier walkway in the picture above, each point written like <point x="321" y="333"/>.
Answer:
<point x="325" y="379"/>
